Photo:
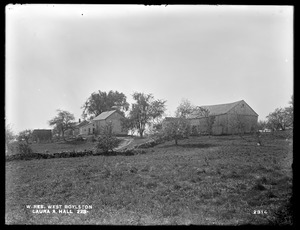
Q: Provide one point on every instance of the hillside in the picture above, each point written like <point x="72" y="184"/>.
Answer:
<point x="219" y="180"/>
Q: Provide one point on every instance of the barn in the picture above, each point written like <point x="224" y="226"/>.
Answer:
<point x="96" y="125"/>
<point x="230" y="118"/>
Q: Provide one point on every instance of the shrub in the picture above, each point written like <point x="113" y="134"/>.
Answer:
<point x="79" y="138"/>
<point x="24" y="148"/>
<point x="107" y="141"/>
<point x="91" y="139"/>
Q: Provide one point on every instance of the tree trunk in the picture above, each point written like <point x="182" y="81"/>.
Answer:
<point x="176" y="141"/>
<point x="141" y="133"/>
<point x="63" y="135"/>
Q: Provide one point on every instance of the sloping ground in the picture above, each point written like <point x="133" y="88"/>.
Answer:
<point x="217" y="180"/>
<point x="125" y="143"/>
<point x="133" y="142"/>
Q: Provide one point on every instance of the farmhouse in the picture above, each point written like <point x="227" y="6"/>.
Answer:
<point x="87" y="129"/>
<point x="96" y="125"/>
<point x="231" y="118"/>
<point x="78" y="125"/>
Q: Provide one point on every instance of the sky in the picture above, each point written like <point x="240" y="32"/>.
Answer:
<point x="56" y="56"/>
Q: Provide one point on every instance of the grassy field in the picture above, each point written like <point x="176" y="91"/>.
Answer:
<point x="206" y="181"/>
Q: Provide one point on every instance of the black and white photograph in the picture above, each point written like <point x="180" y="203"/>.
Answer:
<point x="149" y="114"/>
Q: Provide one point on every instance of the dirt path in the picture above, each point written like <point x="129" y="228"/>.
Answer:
<point x="124" y="143"/>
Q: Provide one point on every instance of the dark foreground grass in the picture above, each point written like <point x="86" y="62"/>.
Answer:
<point x="206" y="181"/>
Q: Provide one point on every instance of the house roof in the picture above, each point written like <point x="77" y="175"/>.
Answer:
<point x="86" y="124"/>
<point x="104" y="115"/>
<point x="82" y="123"/>
<point x="219" y="109"/>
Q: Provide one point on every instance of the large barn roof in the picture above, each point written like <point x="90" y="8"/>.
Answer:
<point x="218" y="109"/>
<point x="104" y="115"/>
<point x="221" y="108"/>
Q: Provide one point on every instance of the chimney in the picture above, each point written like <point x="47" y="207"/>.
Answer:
<point x="79" y="121"/>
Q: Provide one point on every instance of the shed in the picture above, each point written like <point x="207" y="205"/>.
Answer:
<point x="42" y="135"/>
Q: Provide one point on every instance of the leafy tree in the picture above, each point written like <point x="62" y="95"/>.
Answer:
<point x="62" y="122"/>
<point x="25" y="135"/>
<point x="157" y="126"/>
<point x="128" y="123"/>
<point x="9" y="134"/>
<point x="107" y="141"/>
<point x="184" y="109"/>
<point x="282" y="118"/>
<point x="279" y="119"/>
<point x="290" y="112"/>
<point x="176" y="129"/>
<point x="144" y="111"/>
<point x="101" y="101"/>
<point x="24" y="139"/>
<point x="24" y="148"/>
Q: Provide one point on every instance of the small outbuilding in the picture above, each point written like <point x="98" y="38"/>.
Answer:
<point x="42" y="135"/>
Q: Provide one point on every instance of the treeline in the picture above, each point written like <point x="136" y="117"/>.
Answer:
<point x="280" y="118"/>
<point x="145" y="111"/>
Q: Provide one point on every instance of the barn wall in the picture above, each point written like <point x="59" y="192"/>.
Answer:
<point x="242" y="108"/>
<point x="199" y="125"/>
<point x="241" y="123"/>
<point x="242" y="119"/>
<point x="227" y="124"/>
<point x="219" y="126"/>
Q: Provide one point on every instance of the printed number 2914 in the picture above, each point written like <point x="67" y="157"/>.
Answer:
<point x="260" y="212"/>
